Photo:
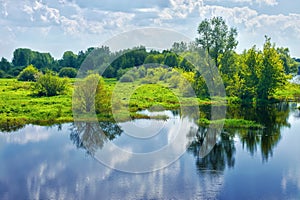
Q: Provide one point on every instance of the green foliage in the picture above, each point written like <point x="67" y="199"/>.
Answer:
<point x="68" y="72"/>
<point x="171" y="60"/>
<point x="25" y="57"/>
<point x="271" y="74"/>
<point x="4" y="65"/>
<point x="69" y="59"/>
<point x="2" y="74"/>
<point x="216" y="38"/>
<point x="50" y="84"/>
<point x="126" y="78"/>
<point x="30" y="73"/>
<point x="91" y="95"/>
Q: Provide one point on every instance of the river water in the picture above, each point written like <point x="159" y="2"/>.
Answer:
<point x="62" y="161"/>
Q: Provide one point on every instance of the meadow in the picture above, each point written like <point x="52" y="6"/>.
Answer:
<point x="20" y="106"/>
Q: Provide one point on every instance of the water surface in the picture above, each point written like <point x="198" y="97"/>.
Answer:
<point x="57" y="162"/>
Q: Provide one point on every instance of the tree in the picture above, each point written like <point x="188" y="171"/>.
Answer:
<point x="171" y="60"/>
<point x="216" y="38"/>
<point x="91" y="95"/>
<point x="22" y="57"/>
<point x="179" y="47"/>
<point x="68" y="72"/>
<point x="4" y="65"/>
<point x="271" y="74"/>
<point x="289" y="64"/>
<point x="69" y="59"/>
<point x="50" y="84"/>
<point x="30" y="73"/>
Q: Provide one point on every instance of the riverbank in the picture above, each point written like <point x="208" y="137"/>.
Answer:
<point x="18" y="106"/>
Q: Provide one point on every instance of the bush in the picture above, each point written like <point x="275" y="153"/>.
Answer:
<point x="30" y="73"/>
<point x="126" y="78"/>
<point x="68" y="72"/>
<point x="50" y="85"/>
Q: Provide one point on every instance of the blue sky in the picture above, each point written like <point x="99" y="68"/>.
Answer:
<point x="57" y="26"/>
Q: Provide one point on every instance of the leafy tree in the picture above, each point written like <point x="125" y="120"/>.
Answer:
<point x="91" y="95"/>
<point x="4" y="64"/>
<point x="68" y="72"/>
<point x="22" y="57"/>
<point x="289" y="64"/>
<point x="171" y="60"/>
<point x="179" y="47"/>
<point x="30" y="73"/>
<point x="50" y="84"/>
<point x="271" y="74"/>
<point x="216" y="38"/>
<point x="69" y="59"/>
<point x="42" y="60"/>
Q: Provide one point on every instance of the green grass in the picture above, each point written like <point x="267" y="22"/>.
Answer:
<point x="232" y="123"/>
<point x="290" y="92"/>
<point x="18" y="106"/>
<point x="18" y="103"/>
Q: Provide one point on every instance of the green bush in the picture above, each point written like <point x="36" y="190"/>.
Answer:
<point x="50" y="84"/>
<point x="68" y="72"/>
<point x="126" y="78"/>
<point x="30" y="73"/>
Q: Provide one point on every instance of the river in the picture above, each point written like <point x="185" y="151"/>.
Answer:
<point x="74" y="160"/>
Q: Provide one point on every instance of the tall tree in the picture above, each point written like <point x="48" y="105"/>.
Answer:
<point x="22" y="57"/>
<point x="216" y="37"/>
<point x="271" y="74"/>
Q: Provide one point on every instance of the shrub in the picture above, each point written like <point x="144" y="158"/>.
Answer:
<point x="126" y="78"/>
<point x="68" y="72"/>
<point x="50" y="84"/>
<point x="30" y="73"/>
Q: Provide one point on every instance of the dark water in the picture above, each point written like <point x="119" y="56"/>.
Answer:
<point x="58" y="162"/>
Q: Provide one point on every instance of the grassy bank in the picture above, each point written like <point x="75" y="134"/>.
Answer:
<point x="18" y="106"/>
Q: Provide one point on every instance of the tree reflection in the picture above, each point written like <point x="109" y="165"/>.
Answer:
<point x="273" y="117"/>
<point x="221" y="154"/>
<point x="91" y="136"/>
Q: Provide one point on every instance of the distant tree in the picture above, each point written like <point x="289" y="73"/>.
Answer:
<point x="289" y="64"/>
<point x="171" y="60"/>
<point x="42" y="60"/>
<point x="22" y="57"/>
<point x="216" y="38"/>
<point x="179" y="47"/>
<point x="68" y="72"/>
<point x="4" y="65"/>
<point x="28" y="74"/>
<point x="69" y="59"/>
<point x="2" y="74"/>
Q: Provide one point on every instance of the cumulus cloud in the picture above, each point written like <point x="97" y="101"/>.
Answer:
<point x="78" y="19"/>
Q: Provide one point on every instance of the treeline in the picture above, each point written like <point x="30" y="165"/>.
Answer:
<point x="116" y="63"/>
<point x="253" y="74"/>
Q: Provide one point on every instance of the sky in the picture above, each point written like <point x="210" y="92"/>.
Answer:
<point x="57" y="26"/>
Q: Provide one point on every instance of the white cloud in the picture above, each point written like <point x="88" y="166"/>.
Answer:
<point x="250" y="2"/>
<point x="82" y="21"/>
